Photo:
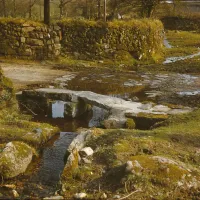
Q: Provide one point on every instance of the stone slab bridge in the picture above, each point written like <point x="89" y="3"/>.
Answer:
<point x="60" y="103"/>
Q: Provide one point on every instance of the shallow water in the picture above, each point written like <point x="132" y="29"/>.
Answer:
<point x="175" y="59"/>
<point x="46" y="180"/>
<point x="158" y="88"/>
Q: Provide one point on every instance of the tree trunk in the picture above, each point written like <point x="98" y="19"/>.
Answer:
<point x="47" y="12"/>
<point x="61" y="8"/>
<point x="14" y="8"/>
<point x="99" y="9"/>
<point x="105" y="10"/>
<point x="4" y="8"/>
<point x="30" y="9"/>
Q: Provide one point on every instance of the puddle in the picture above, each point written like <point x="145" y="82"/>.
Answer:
<point x="189" y="93"/>
<point x="175" y="59"/>
<point x="132" y="86"/>
<point x="167" y="44"/>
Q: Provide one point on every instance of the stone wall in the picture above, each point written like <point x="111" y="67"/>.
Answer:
<point x="29" y="40"/>
<point x="139" y="38"/>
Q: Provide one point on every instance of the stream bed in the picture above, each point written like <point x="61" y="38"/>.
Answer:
<point x="176" y="89"/>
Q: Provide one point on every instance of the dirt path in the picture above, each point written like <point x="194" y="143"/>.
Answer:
<point x="31" y="75"/>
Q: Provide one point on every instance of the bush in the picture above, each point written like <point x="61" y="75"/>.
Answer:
<point x="140" y="38"/>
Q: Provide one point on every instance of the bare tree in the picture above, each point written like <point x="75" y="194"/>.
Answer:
<point x="62" y="4"/>
<point x="3" y="2"/>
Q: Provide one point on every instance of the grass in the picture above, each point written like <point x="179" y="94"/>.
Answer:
<point x="184" y="43"/>
<point x="177" y="142"/>
<point x="15" y="126"/>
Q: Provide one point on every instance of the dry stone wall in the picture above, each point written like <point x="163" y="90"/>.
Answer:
<point x="138" y="39"/>
<point x="141" y="39"/>
<point x="29" y="40"/>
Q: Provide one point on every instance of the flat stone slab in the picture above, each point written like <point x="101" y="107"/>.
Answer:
<point x="118" y="108"/>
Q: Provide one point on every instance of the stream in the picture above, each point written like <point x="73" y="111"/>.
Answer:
<point x="176" y="89"/>
<point x="168" y="88"/>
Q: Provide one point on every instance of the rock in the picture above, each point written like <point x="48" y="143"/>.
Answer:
<point x="161" y="108"/>
<point x="38" y="131"/>
<point x="116" y="197"/>
<point x="11" y="186"/>
<point x="54" y="198"/>
<point x="23" y="39"/>
<point x="14" y="159"/>
<point x="80" y="195"/>
<point x="164" y="160"/>
<point x="104" y="196"/>
<point x="113" y="123"/>
<point x="15" y="194"/>
<point x="80" y="140"/>
<point x="87" y="151"/>
<point x="136" y="164"/>
<point x="129" y="166"/>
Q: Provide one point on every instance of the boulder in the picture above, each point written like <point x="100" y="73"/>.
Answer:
<point x="14" y="159"/>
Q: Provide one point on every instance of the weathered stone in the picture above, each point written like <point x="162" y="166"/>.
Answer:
<point x="28" y="29"/>
<point x="15" y="194"/>
<point x="14" y="159"/>
<point x="35" y="42"/>
<point x="116" y="197"/>
<point x="80" y="140"/>
<point x="23" y="39"/>
<point x="54" y="198"/>
<point x="86" y="151"/>
<point x="129" y="166"/>
<point x="80" y="195"/>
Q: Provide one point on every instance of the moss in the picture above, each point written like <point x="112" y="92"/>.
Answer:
<point x="19" y="21"/>
<point x="120" y="40"/>
<point x="152" y="116"/>
<point x="130" y="124"/>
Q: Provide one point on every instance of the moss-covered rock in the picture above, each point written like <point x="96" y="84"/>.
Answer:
<point x="14" y="159"/>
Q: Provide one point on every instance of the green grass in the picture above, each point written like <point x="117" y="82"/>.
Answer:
<point x="15" y="126"/>
<point x="178" y="140"/>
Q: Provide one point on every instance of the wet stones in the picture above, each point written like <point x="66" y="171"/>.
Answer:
<point x="75" y="103"/>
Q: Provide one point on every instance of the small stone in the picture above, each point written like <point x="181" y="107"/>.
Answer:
<point x="117" y="197"/>
<point x="137" y="165"/>
<point x="37" y="130"/>
<point x="87" y="151"/>
<point x="15" y="194"/>
<point x="104" y="196"/>
<point x="129" y="166"/>
<point x="80" y="195"/>
<point x="54" y="198"/>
